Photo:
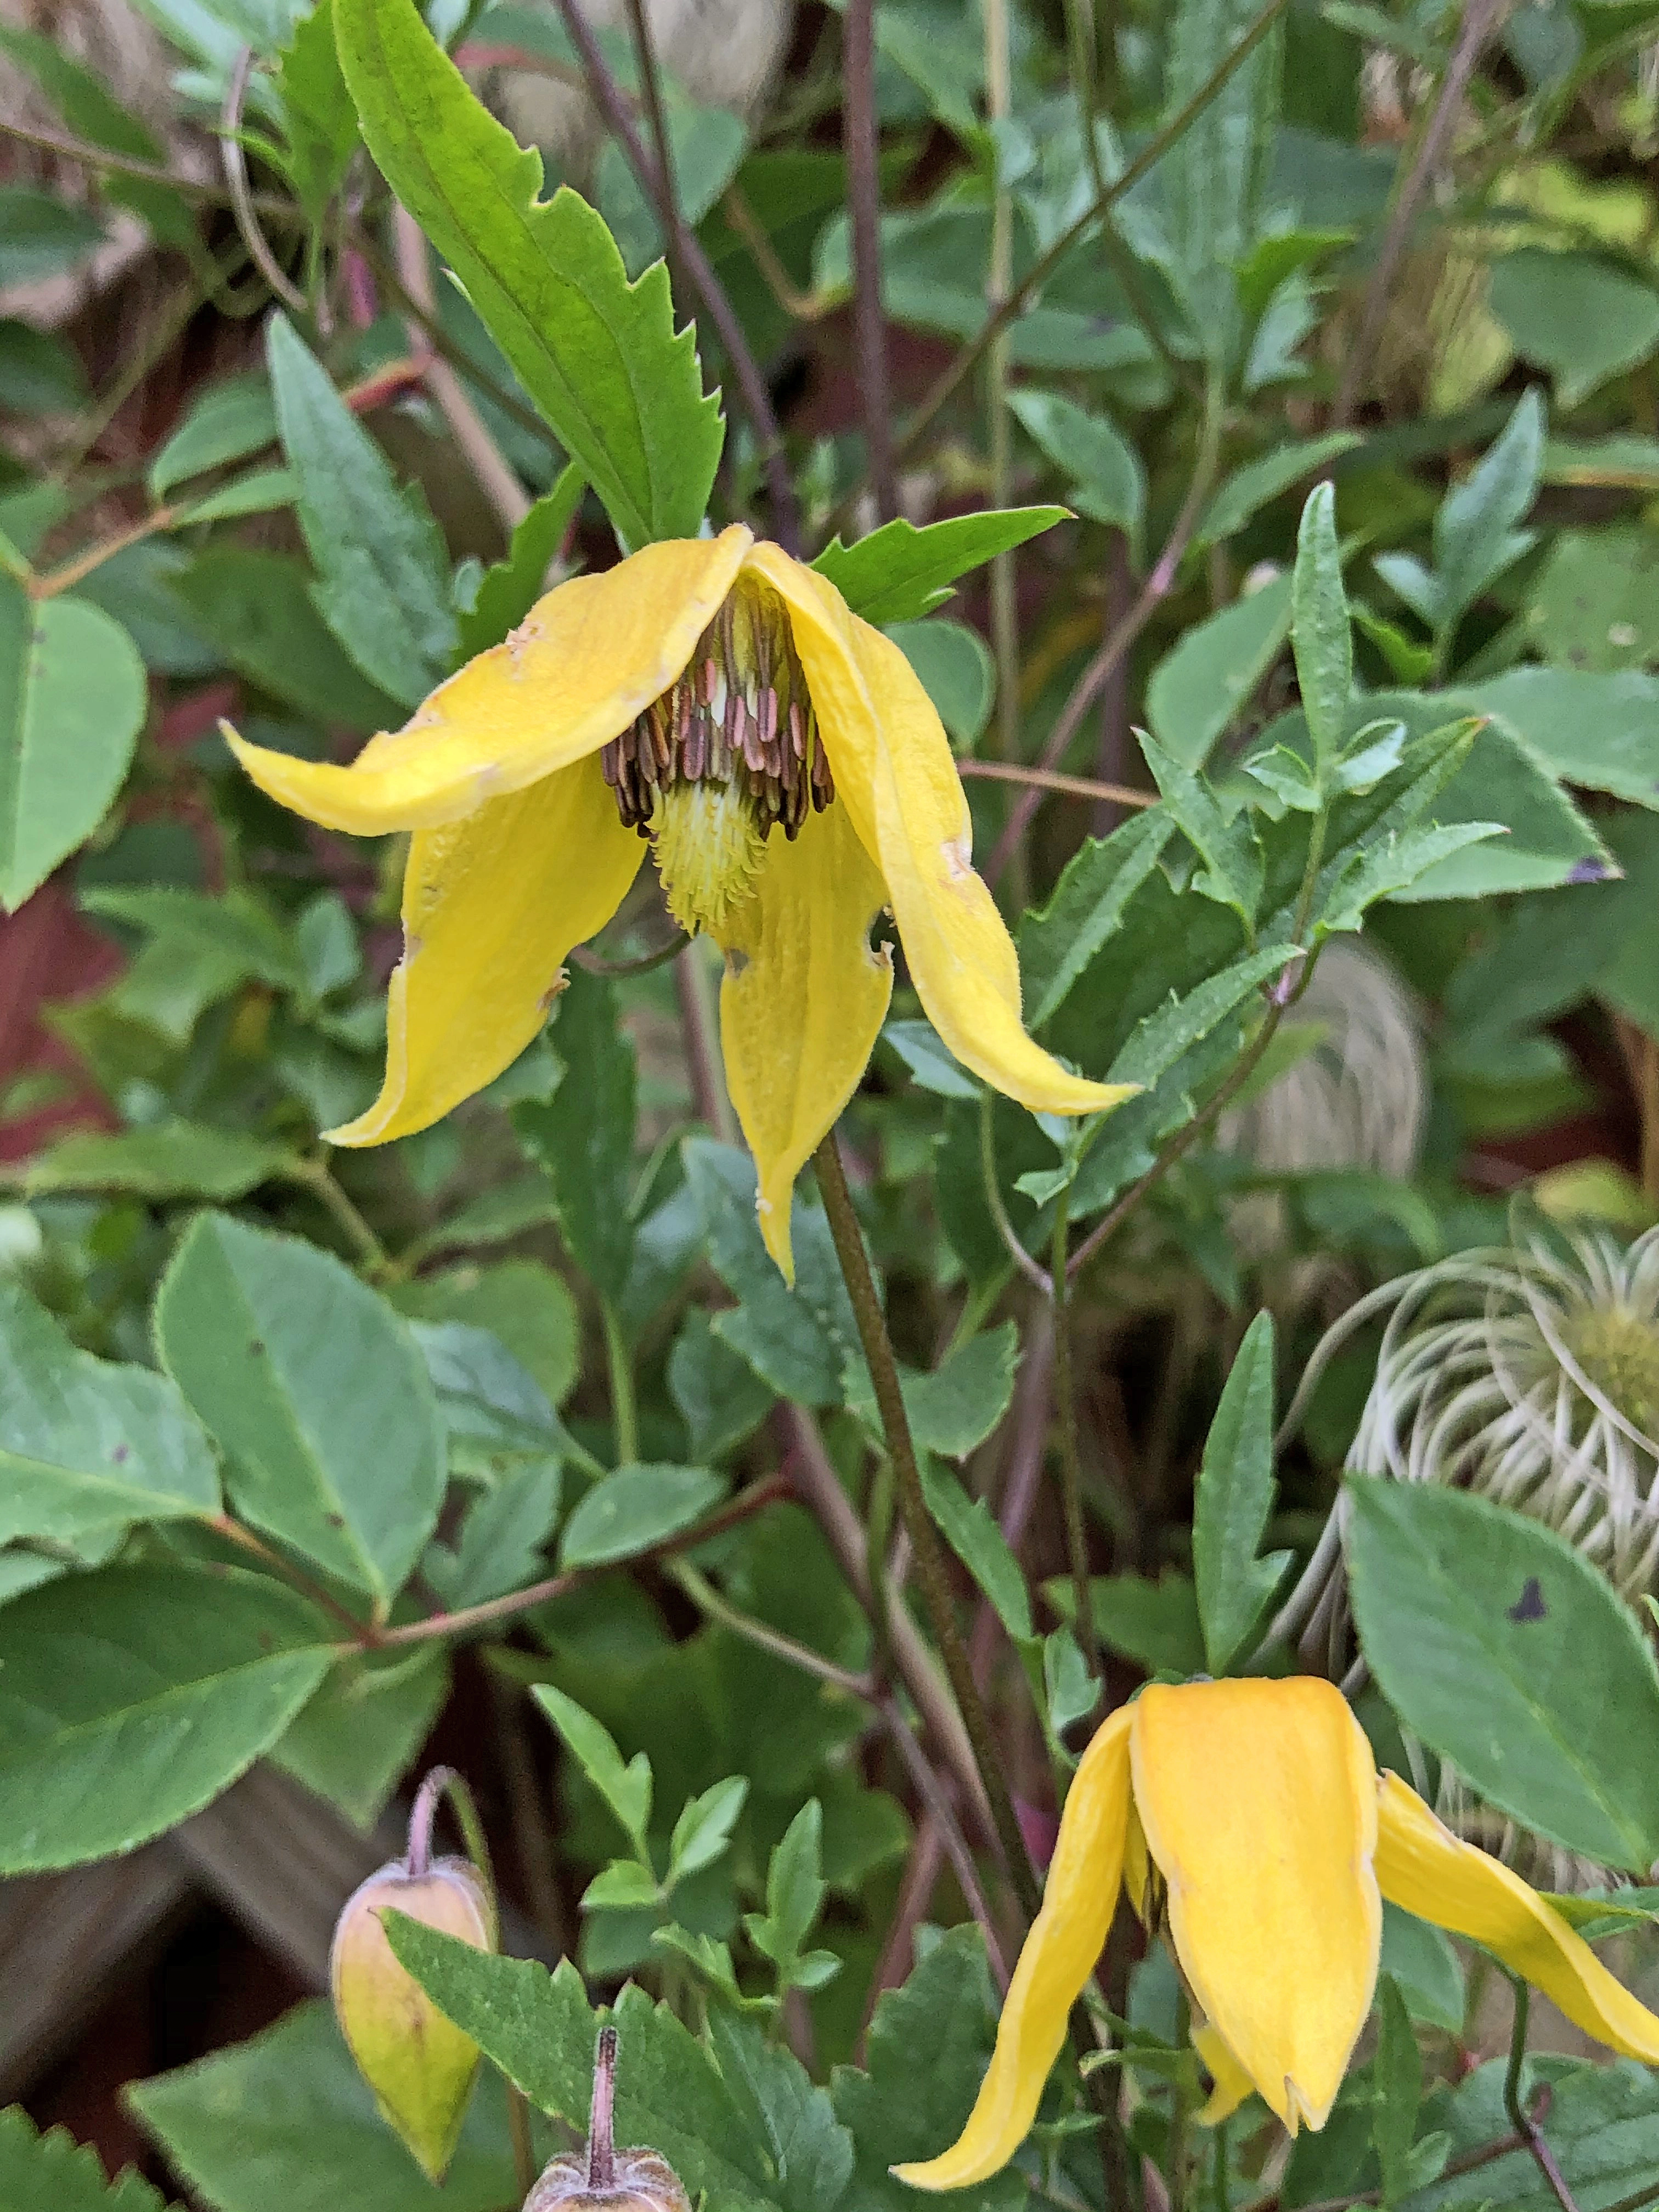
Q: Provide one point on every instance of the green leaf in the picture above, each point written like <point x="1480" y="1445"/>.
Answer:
<point x="704" y="1827"/>
<point x="955" y="1408"/>
<point x="1156" y="1624"/>
<point x="537" y="2028"/>
<point x="625" y="1789"/>
<point x="1580" y="318"/>
<point x="316" y="1391"/>
<point x="73" y="699"/>
<point x="39" y="373"/>
<point x="525" y="1305"/>
<point x="1232" y="873"/>
<point x="956" y="673"/>
<point x="52" y="2172"/>
<point x="1424" y="1963"/>
<point x="1321" y="637"/>
<point x="261" y="492"/>
<point x="359" y="1735"/>
<point x="42" y="235"/>
<point x="795" y="1893"/>
<point x="285" y="2123"/>
<point x="1602" y="2127"/>
<point x="1451" y="1590"/>
<point x="382" y="583"/>
<point x="899" y="573"/>
<point x="130" y="1697"/>
<point x="1087" y="907"/>
<point x="1397" y="2090"/>
<point x="229" y="421"/>
<point x="1598" y="730"/>
<point x="598" y="355"/>
<point x="1214" y="177"/>
<point x="1244" y="493"/>
<point x="1592" y="604"/>
<point x="1234" y="1498"/>
<point x="169" y="1159"/>
<point x="799" y="1342"/>
<point x="1214" y="668"/>
<point x="925" y="2051"/>
<point x="1397" y="866"/>
<point x="718" y="1393"/>
<point x="810" y="2151"/>
<point x="583" y="1136"/>
<point x="509" y="588"/>
<point x="94" y="116"/>
<point x="256" y="611"/>
<point x="1475" y="530"/>
<point x="499" y="1548"/>
<point x="633" y="1508"/>
<point x="931" y="1066"/>
<point x="972" y="1533"/>
<point x="1109" y="483"/>
<point x="317" y="109"/>
<point x="86" y="1445"/>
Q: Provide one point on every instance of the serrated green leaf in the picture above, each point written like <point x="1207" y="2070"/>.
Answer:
<point x="1451" y="1590"/>
<point x="598" y="355"/>
<point x="73" y="699"/>
<point x="382" y="587"/>
<point x="1232" y="860"/>
<point x="52" y="2172"/>
<point x="1088" y="905"/>
<point x="899" y="573"/>
<point x="87" y="1445"/>
<point x="704" y="1827"/>
<point x="315" y="1389"/>
<point x="130" y="1697"/>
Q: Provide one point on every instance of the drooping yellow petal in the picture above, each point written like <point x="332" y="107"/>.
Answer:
<point x="1421" y="1865"/>
<point x="803" y="999"/>
<point x="491" y="907"/>
<point x="1259" y="1801"/>
<point x="1066" y="1938"/>
<point x="895" y="774"/>
<point x="1230" y="2084"/>
<point x="584" y="662"/>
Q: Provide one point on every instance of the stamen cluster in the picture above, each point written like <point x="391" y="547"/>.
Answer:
<point x="740" y="715"/>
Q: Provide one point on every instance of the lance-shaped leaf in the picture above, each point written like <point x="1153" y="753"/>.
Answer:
<point x="598" y="355"/>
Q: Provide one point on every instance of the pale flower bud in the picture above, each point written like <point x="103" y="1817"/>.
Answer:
<point x="419" y="2065"/>
<point x="601" y="2178"/>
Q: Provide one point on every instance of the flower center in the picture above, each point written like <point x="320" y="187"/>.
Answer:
<point x="1618" y="1350"/>
<point x="726" y="754"/>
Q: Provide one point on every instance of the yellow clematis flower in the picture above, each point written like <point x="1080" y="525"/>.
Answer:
<point x="702" y="693"/>
<point x="1258" y="1806"/>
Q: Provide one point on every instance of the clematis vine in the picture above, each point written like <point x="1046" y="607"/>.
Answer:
<point x="1249" y="1820"/>
<point x="703" y="696"/>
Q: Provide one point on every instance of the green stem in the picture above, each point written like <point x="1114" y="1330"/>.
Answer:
<point x="924" y="1539"/>
<point x="318" y="1177"/>
<point x="1520" y="2119"/>
<point x="445" y="1781"/>
<point x="623" y="1414"/>
<point x="710" y="1602"/>
<point x="1070" y="1460"/>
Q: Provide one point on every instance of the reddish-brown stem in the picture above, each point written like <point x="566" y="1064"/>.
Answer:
<point x="601" y="2124"/>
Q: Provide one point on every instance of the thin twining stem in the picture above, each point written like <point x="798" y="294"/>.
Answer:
<point x="912" y="1506"/>
<point x="236" y="164"/>
<point x="1077" y="786"/>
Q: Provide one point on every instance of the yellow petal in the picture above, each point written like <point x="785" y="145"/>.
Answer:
<point x="491" y="908"/>
<point x="1230" y="2084"/>
<point x="1259" y="1801"/>
<point x="895" y="774"/>
<point x="803" y="999"/>
<point x="584" y="662"/>
<point x="1423" y="1866"/>
<point x="1065" y="1940"/>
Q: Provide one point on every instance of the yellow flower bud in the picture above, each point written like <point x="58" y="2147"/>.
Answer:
<point x="601" y="2178"/>
<point x="419" y="2065"/>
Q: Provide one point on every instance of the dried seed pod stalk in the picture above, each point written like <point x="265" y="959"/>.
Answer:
<point x="418" y="2063"/>
<point x="601" y="2175"/>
